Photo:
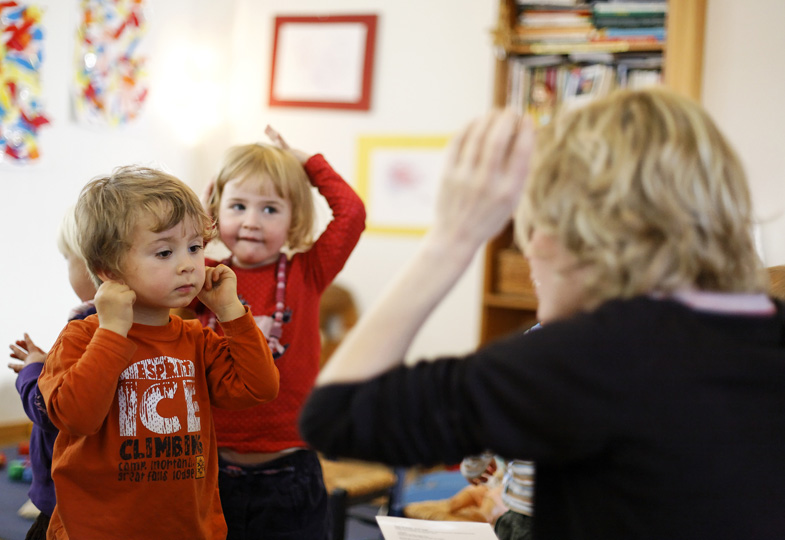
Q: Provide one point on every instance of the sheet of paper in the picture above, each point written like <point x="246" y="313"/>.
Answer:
<point x="396" y="528"/>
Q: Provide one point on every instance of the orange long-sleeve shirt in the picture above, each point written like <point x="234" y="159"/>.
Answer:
<point x="137" y="456"/>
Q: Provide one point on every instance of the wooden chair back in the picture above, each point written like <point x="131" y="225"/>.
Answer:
<point x="777" y="281"/>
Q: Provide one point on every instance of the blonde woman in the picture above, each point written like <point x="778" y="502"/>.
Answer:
<point x="653" y="398"/>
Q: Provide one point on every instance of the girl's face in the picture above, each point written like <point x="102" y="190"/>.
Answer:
<point x="557" y="277"/>
<point x="253" y="222"/>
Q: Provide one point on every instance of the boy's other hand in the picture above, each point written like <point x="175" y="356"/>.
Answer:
<point x="26" y="351"/>
<point x="219" y="293"/>
<point x="114" y="303"/>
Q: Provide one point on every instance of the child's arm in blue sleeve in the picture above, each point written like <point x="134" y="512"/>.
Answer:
<point x="32" y="400"/>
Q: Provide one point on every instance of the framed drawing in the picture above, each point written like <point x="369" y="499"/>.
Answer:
<point x="323" y="62"/>
<point x="398" y="178"/>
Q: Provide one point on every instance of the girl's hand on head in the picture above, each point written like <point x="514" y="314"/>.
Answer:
<point x="26" y="351"/>
<point x="114" y="303"/>
<point x="279" y="141"/>
<point x="219" y="293"/>
<point x="486" y="168"/>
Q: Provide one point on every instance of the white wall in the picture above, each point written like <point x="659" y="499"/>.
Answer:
<point x="744" y="88"/>
<point x="209" y="69"/>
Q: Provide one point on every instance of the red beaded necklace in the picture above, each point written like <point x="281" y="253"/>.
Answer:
<point x="273" y="340"/>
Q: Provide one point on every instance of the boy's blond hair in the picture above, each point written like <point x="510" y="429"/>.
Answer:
<point x="110" y="207"/>
<point x="644" y="189"/>
<point x="288" y="178"/>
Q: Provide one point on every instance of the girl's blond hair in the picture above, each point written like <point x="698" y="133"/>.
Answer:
<point x="644" y="189"/>
<point x="288" y="179"/>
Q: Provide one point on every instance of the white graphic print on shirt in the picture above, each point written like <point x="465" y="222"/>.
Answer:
<point x="158" y="395"/>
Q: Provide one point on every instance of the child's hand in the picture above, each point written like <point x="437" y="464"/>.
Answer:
<point x="26" y="351"/>
<point x="114" y="303"/>
<point x="219" y="293"/>
<point x="486" y="475"/>
<point x="278" y="141"/>
<point x="479" y="469"/>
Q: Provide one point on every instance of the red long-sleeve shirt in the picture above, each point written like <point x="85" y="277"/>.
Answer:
<point x="272" y="427"/>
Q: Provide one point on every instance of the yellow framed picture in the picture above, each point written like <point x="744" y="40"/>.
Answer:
<point x="398" y="177"/>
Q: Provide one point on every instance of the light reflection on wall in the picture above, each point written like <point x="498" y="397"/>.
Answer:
<point x="189" y="90"/>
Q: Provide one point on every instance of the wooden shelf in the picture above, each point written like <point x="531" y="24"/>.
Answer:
<point x="511" y="301"/>
<point x="504" y="40"/>
<point x="505" y="312"/>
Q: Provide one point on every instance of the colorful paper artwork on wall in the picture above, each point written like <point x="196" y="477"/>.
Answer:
<point x="110" y="81"/>
<point x="21" y="55"/>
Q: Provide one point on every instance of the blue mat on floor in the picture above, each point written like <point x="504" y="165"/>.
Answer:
<point x="12" y="496"/>
<point x="433" y="486"/>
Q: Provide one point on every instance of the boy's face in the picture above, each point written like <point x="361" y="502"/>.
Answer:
<point x="165" y="269"/>
<point x="558" y="280"/>
<point x="253" y="221"/>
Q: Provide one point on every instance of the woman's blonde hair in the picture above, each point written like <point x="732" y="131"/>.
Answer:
<point x="110" y="207"/>
<point x="644" y="189"/>
<point x="288" y="179"/>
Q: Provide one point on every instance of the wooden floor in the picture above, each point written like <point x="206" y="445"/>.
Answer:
<point x="15" y="433"/>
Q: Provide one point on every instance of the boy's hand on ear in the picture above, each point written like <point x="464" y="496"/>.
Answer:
<point x="219" y="293"/>
<point x="114" y="303"/>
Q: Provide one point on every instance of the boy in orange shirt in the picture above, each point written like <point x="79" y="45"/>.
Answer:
<point x="131" y="388"/>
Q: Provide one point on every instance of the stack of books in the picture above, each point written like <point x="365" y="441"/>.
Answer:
<point x="550" y="3"/>
<point x="541" y="84"/>
<point x="630" y="20"/>
<point x="535" y="85"/>
<point x="578" y="51"/>
<point x="554" y="23"/>
<point x="639" y="70"/>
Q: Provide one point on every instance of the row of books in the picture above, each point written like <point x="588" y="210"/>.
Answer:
<point x="595" y="22"/>
<point x="540" y="85"/>
<point x="613" y="4"/>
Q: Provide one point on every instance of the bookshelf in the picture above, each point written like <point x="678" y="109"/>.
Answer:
<point x="508" y="301"/>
